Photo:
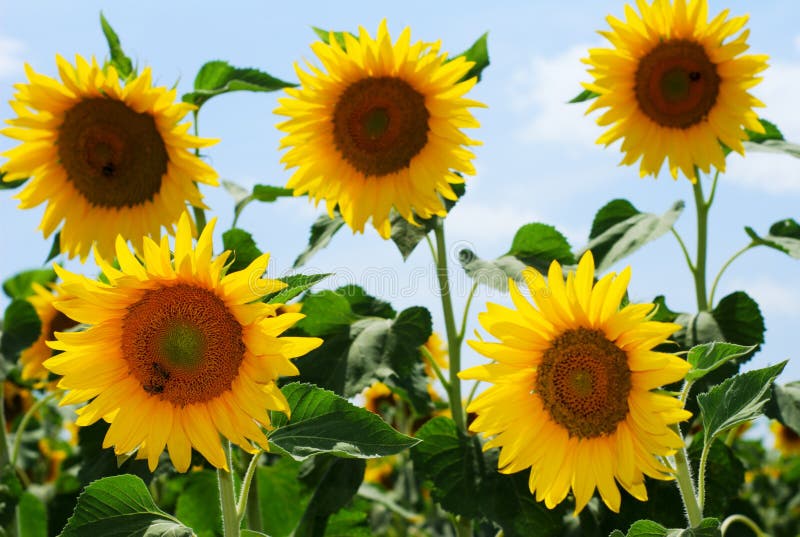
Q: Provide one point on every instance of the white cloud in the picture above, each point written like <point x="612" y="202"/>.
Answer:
<point x="774" y="298"/>
<point x="545" y="86"/>
<point x="10" y="60"/>
<point x="779" y="92"/>
<point x="766" y="172"/>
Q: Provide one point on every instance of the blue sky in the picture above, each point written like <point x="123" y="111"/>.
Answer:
<point x="538" y="162"/>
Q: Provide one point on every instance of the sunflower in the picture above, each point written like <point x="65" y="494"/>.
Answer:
<point x="107" y="158"/>
<point x="786" y="440"/>
<point x="32" y="358"/>
<point x="572" y="382"/>
<point x="676" y="86"/>
<point x="176" y="352"/>
<point x="437" y="348"/>
<point x="378" y="127"/>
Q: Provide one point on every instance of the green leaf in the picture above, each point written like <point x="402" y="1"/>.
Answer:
<point x="10" y="185"/>
<point x="121" y="506"/>
<point x="724" y="475"/>
<point x="323" y="422"/>
<point x="737" y="400"/>
<point x="31" y="516"/>
<point x="96" y="462"/>
<point x="585" y="95"/>
<point x="709" y="356"/>
<point x="119" y="60"/>
<point x="452" y="462"/>
<point x="280" y="513"/>
<point x="783" y="236"/>
<point x="339" y="483"/>
<point x="10" y="493"/>
<point x="324" y="35"/>
<point x="538" y="245"/>
<point x="647" y="528"/>
<point x="784" y="405"/>
<point x="270" y="193"/>
<point x="479" y="54"/>
<point x="774" y="146"/>
<point x="244" y="249"/>
<point x="218" y="77"/>
<point x="295" y="285"/>
<point x="740" y="320"/>
<point x="326" y="312"/>
<point x="20" y="285"/>
<point x="21" y="328"/>
<point x="55" y="248"/>
<point x="198" y="504"/>
<point x="252" y="533"/>
<point x="322" y="231"/>
<point x="241" y="198"/>
<point x="771" y="132"/>
<point x="364" y="304"/>
<point x="662" y="313"/>
<point x="494" y="274"/>
<point x="617" y="231"/>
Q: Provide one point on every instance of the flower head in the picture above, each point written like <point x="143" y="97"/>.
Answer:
<point x="379" y="127"/>
<point x="676" y="86"/>
<point x="177" y="353"/>
<point x="32" y="358"/>
<point x="107" y="158"/>
<point x="572" y="387"/>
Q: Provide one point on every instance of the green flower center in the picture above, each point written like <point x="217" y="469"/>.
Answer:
<point x="183" y="345"/>
<point x="584" y="383"/>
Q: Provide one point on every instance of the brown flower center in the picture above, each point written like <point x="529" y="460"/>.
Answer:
<point x="584" y="382"/>
<point x="677" y="84"/>
<point x="112" y="154"/>
<point x="380" y="124"/>
<point x="182" y="344"/>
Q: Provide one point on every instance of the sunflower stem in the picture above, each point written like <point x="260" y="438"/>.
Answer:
<point x="699" y="271"/>
<point x="241" y="506"/>
<point x="685" y="486"/>
<point x="462" y="331"/>
<point x="227" y="497"/>
<point x="23" y="423"/>
<point x="701" y="475"/>
<point x="199" y="213"/>
<point x="436" y="369"/>
<point x="10" y="528"/>
<point x="724" y="268"/>
<point x="453" y="343"/>
<point x="744" y="520"/>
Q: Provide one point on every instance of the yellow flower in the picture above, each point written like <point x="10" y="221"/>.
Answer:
<point x="676" y="86"/>
<point x="377" y="395"/>
<point x="32" y="358"/>
<point x="177" y="352"/>
<point x="572" y="382"/>
<point x="786" y="440"/>
<point x="16" y="402"/>
<point x="377" y="127"/>
<point x="108" y="159"/>
<point x="438" y="350"/>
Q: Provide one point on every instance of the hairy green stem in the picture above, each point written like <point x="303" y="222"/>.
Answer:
<point x="683" y="249"/>
<point x="23" y="423"/>
<point x="436" y="369"/>
<point x="453" y="344"/>
<point x="227" y="497"/>
<point x="685" y="486"/>
<point x="241" y="506"/>
<point x="701" y="475"/>
<point x="743" y="520"/>
<point x="724" y="268"/>
<point x="699" y="271"/>
<point x="472" y="391"/>
<point x="463" y="329"/>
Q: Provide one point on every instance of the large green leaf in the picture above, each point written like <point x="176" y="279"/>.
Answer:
<point x="774" y="146"/>
<point x="198" y="504"/>
<point x="295" y="285"/>
<point x="619" y="229"/>
<point x="492" y="273"/>
<point x="771" y="132"/>
<point x="96" y="462"/>
<point x="724" y="475"/>
<point x="737" y="400"/>
<point x="323" y="422"/>
<point x="709" y="527"/>
<point x="740" y="320"/>
<point x="479" y="54"/>
<point x="340" y="481"/>
<point x="218" y="77"/>
<point x="244" y="249"/>
<point x="21" y="328"/>
<point x="31" y="516"/>
<point x="709" y="356"/>
<point x="280" y="512"/>
<point x="20" y="285"/>
<point x="453" y="463"/>
<point x="119" y="60"/>
<point x="538" y="245"/>
<point x="327" y="312"/>
<point x="121" y="506"/>
<point x="322" y="231"/>
<point x="784" y="405"/>
<point x="783" y="236"/>
<point x="10" y="493"/>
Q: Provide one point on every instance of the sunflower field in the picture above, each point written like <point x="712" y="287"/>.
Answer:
<point x="163" y="376"/>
